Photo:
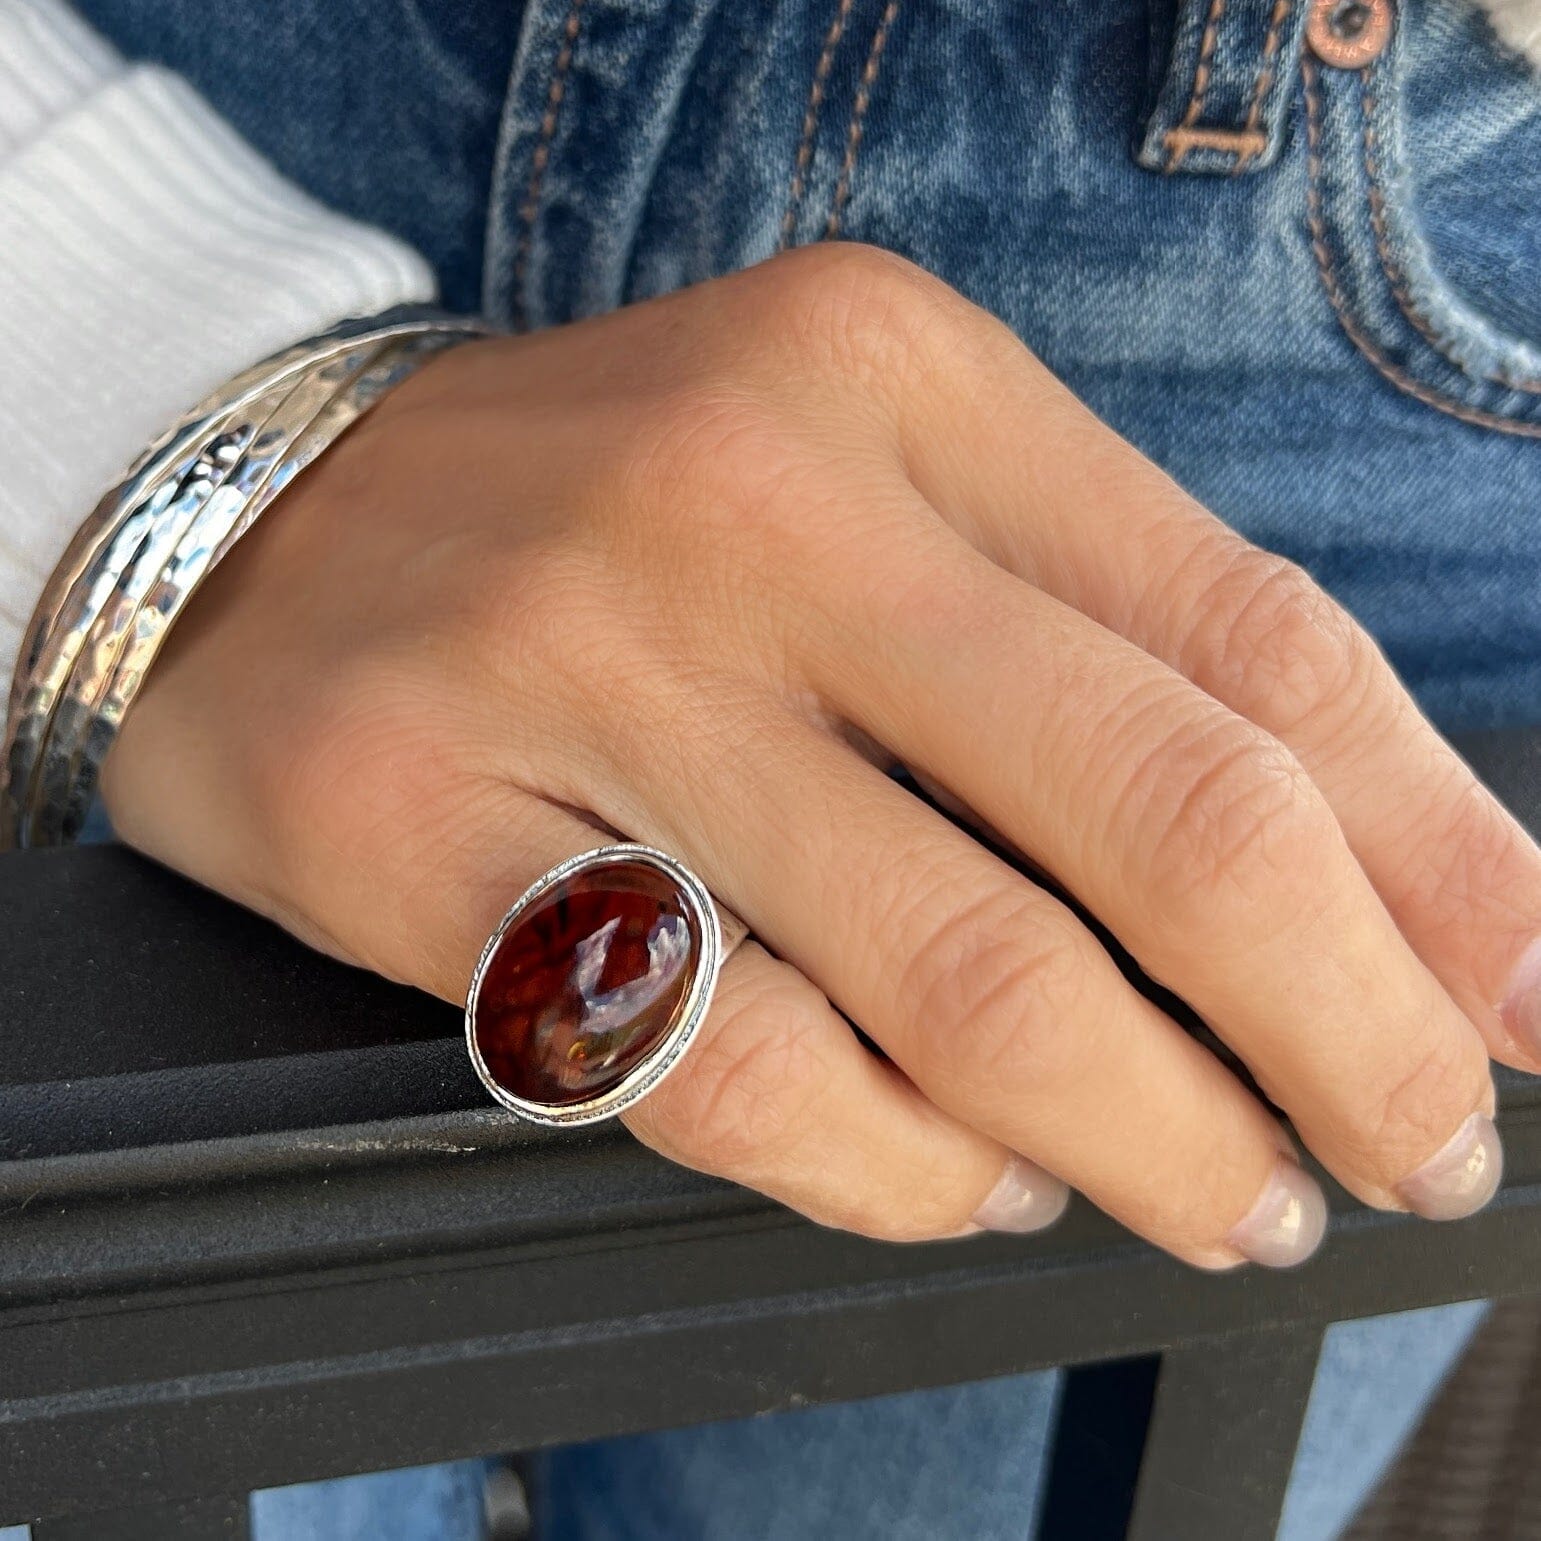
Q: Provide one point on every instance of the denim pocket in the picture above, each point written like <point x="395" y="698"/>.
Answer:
<point x="1423" y="150"/>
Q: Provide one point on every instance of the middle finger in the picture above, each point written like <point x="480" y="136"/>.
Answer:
<point x="995" y="1000"/>
<point x="1195" y="836"/>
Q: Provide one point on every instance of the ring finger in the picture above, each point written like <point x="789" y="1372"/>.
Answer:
<point x="775" y="1092"/>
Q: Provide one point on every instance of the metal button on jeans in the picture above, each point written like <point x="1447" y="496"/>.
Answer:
<point x="1348" y="34"/>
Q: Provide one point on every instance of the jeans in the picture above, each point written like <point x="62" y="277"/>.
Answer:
<point x="1329" y="333"/>
<point x="1305" y="289"/>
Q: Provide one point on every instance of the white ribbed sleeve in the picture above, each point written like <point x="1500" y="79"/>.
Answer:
<point x="146" y="255"/>
<point x="1518" y="23"/>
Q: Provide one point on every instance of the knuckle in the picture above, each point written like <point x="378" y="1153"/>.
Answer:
<point x="921" y="1204"/>
<point x="1461" y="860"/>
<point x="1223" y="811"/>
<point x="993" y="992"/>
<point x="1200" y="1212"/>
<point x="729" y="486"/>
<point x="696" y="435"/>
<point x="547" y="636"/>
<point x="738" y="1103"/>
<point x="1419" y="1103"/>
<point x="364" y="812"/>
<point x="847" y="274"/>
<point x="858" y="308"/>
<point x="1271" y="634"/>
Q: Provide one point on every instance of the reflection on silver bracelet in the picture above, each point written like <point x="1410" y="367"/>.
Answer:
<point x="134" y="564"/>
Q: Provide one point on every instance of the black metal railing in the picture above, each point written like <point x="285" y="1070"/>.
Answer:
<point x="257" y="1226"/>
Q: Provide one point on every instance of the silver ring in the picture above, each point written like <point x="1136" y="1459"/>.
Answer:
<point x="592" y="986"/>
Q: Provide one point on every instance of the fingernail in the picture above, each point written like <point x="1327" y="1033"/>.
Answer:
<point x="1287" y="1223"/>
<point x="1521" y="1006"/>
<point x="1461" y="1178"/>
<point x="1026" y="1198"/>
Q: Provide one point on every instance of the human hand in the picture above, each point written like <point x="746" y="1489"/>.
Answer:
<point x="693" y="573"/>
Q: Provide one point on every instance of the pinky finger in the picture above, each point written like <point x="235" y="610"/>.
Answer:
<point x="778" y="1094"/>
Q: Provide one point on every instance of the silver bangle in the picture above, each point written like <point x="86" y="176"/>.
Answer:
<point x="151" y="541"/>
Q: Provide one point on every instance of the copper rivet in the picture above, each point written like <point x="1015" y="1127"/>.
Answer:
<point x="1348" y="34"/>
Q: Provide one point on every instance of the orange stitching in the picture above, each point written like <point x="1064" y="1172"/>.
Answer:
<point x="1200" y="80"/>
<point x="1201" y="68"/>
<point x="1265" y="72"/>
<point x="1392" y="268"/>
<point x="542" y="152"/>
<point x="1392" y="373"/>
<point x="1243" y="143"/>
<point x="811" y="122"/>
<point x="853" y="136"/>
<point x="1232" y="141"/>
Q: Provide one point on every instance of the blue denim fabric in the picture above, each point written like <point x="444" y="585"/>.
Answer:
<point x="1339" y="351"/>
<point x="1315" y="306"/>
<point x="956" y="1464"/>
<point x="387" y="110"/>
<point x="424" y="1503"/>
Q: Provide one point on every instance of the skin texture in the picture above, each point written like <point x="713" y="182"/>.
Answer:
<point x="694" y="573"/>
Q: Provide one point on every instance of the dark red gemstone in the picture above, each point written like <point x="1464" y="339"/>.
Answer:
<point x="586" y="983"/>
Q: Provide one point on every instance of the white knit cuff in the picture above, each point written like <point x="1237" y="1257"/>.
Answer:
<point x="1518" y="23"/>
<point x="146" y="255"/>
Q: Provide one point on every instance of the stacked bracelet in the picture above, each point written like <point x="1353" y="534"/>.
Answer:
<point x="150" y="542"/>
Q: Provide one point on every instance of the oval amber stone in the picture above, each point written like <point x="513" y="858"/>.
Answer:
<point x="586" y="983"/>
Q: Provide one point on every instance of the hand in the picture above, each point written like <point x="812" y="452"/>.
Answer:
<point x="674" y="573"/>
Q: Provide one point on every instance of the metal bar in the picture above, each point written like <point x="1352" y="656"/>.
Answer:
<point x="212" y="1519"/>
<point x="290" y="1379"/>
<point x="1099" y="1436"/>
<point x="1222" y="1436"/>
<point x="204" y="1288"/>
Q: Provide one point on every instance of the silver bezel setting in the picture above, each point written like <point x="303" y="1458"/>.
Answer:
<point x="702" y="913"/>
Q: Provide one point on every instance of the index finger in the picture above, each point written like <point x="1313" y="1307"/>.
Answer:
<point x="1083" y="515"/>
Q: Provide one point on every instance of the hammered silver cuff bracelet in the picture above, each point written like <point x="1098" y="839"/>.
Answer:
<point x="140" y="556"/>
<point x="592" y="986"/>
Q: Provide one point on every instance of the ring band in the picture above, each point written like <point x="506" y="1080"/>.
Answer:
<point x="591" y="987"/>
